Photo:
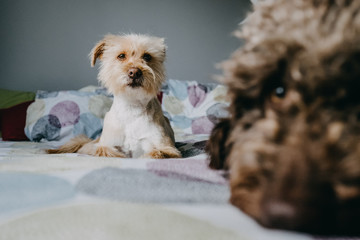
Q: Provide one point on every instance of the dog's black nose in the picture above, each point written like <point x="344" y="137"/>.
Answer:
<point x="134" y="73"/>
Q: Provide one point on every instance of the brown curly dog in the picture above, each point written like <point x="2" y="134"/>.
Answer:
<point x="292" y="143"/>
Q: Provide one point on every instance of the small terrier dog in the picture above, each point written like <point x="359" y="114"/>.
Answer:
<point x="292" y="141"/>
<point x="132" y="69"/>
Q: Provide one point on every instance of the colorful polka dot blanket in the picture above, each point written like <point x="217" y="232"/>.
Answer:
<point x="74" y="196"/>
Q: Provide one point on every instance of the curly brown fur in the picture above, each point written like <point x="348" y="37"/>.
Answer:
<point x="292" y="143"/>
<point x="216" y="147"/>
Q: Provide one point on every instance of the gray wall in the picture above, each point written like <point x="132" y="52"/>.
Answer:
<point x="45" y="43"/>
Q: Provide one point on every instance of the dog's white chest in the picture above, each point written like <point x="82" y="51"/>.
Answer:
<point x="136" y="134"/>
<point x="129" y="127"/>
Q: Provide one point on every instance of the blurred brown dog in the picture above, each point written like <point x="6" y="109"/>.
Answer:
<point x="292" y="143"/>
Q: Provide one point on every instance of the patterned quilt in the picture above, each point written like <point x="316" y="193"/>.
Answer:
<point x="73" y="196"/>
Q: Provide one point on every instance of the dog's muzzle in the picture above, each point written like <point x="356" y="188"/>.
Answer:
<point x="135" y="77"/>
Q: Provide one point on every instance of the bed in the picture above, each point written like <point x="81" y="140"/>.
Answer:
<point x="74" y="196"/>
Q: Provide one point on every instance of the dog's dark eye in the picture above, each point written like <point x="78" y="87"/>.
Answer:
<point x="278" y="94"/>
<point x="147" y="57"/>
<point x="122" y="56"/>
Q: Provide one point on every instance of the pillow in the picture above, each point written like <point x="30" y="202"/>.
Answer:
<point x="12" y="121"/>
<point x="62" y="115"/>
<point x="9" y="98"/>
<point x="192" y="107"/>
<point x="13" y="105"/>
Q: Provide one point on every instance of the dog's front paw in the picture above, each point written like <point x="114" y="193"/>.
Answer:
<point x="103" y="151"/>
<point x="165" y="152"/>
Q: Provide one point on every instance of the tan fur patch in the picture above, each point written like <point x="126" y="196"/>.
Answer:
<point x="97" y="52"/>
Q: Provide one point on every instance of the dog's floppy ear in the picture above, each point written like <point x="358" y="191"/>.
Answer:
<point x="216" y="146"/>
<point x="97" y="52"/>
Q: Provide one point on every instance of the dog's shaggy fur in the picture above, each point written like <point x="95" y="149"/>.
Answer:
<point x="292" y="143"/>
<point x="132" y="69"/>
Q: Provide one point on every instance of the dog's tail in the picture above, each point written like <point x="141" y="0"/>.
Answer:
<point x="72" y="146"/>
